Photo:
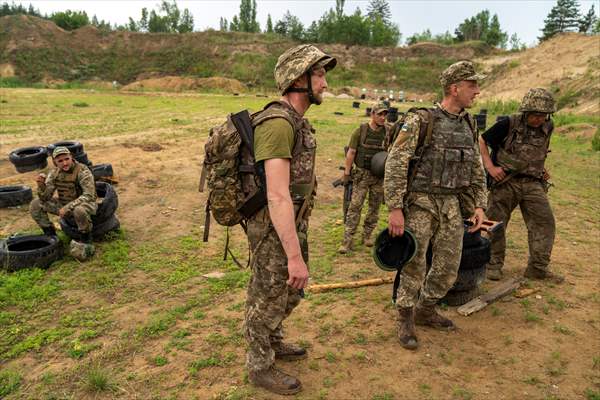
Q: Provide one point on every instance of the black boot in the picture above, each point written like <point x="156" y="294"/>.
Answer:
<point x="86" y="237"/>
<point x="49" y="230"/>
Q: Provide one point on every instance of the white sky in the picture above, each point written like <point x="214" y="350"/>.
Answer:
<point x="525" y="17"/>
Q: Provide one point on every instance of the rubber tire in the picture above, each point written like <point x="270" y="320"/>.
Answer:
<point x="28" y="168"/>
<point x="475" y="257"/>
<point x="11" y="196"/>
<point x="102" y="170"/>
<point x="28" y="156"/>
<point x="40" y="257"/>
<point x="98" y="230"/>
<point x="468" y="279"/>
<point x="458" y="298"/>
<point x="74" y="147"/>
<point x="82" y="158"/>
<point x="109" y="204"/>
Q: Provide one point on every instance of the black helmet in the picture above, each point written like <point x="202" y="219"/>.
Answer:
<point x="378" y="163"/>
<point x="392" y="253"/>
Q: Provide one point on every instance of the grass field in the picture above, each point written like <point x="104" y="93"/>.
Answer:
<point x="139" y="321"/>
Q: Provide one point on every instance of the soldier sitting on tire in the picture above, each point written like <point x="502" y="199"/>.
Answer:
<point x="74" y="184"/>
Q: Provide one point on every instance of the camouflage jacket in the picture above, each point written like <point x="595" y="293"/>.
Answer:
<point x="83" y="183"/>
<point x="403" y="150"/>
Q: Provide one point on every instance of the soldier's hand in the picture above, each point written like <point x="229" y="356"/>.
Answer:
<point x="298" y="273"/>
<point x="497" y="173"/>
<point x="477" y="220"/>
<point x="41" y="179"/>
<point x="396" y="222"/>
<point x="546" y="175"/>
<point x="62" y="212"/>
<point x="345" y="179"/>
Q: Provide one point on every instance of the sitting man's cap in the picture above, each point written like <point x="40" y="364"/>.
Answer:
<point x="460" y="71"/>
<point x="60" y="150"/>
<point x="379" y="107"/>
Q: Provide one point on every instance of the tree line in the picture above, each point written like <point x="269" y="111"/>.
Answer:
<point x="374" y="28"/>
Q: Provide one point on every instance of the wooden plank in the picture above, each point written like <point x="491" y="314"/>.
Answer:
<point x="484" y="300"/>
<point x="349" y="285"/>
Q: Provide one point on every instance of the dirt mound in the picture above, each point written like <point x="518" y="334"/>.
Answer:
<point x="180" y="84"/>
<point x="568" y="65"/>
<point x="577" y="131"/>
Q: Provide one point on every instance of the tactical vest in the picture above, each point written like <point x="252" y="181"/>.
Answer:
<point x="529" y="145"/>
<point x="302" y="164"/>
<point x="446" y="161"/>
<point x="66" y="185"/>
<point x="370" y="143"/>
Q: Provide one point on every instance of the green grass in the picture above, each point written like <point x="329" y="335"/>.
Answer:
<point x="26" y="288"/>
<point x="98" y="380"/>
<point x="9" y="382"/>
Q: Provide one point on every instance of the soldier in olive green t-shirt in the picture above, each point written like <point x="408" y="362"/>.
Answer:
<point x="274" y="138"/>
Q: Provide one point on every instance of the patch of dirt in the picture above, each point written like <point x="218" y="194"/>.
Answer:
<point x="144" y="146"/>
<point x="179" y="84"/>
<point x="576" y="131"/>
<point x="565" y="64"/>
<point x="7" y="70"/>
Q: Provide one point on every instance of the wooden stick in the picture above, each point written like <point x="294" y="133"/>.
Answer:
<point x="484" y="300"/>
<point x="349" y="285"/>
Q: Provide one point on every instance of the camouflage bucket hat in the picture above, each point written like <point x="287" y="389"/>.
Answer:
<point x="295" y="62"/>
<point x="538" y="100"/>
<point x="379" y="107"/>
<point x="460" y="71"/>
<point x="60" y="150"/>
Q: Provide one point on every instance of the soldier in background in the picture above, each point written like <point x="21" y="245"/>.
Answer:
<point x="76" y="190"/>
<point x="424" y="185"/>
<point x="519" y="148"/>
<point x="285" y="146"/>
<point x="370" y="138"/>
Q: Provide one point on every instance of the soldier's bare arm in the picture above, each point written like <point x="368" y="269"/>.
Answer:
<point x="496" y="172"/>
<point x="349" y="160"/>
<point x="395" y="183"/>
<point x="281" y="210"/>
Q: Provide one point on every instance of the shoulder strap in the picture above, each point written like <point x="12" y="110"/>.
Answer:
<point x="473" y="125"/>
<point x="425" y="129"/>
<point x="511" y="126"/>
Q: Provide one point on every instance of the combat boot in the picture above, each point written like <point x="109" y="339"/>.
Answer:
<point x="368" y="240"/>
<point x="406" y="328"/>
<point x="537" y="274"/>
<point x="494" y="274"/>
<point x="288" y="351"/>
<point x="346" y="246"/>
<point x="86" y="237"/>
<point x="428" y="316"/>
<point x="275" y="381"/>
<point x="49" y="230"/>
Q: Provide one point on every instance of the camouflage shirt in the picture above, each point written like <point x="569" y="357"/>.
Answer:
<point x="403" y="149"/>
<point x="85" y="181"/>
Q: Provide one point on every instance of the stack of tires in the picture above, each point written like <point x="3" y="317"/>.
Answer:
<point x="76" y="149"/>
<point x="471" y="272"/>
<point x="103" y="222"/>
<point x="28" y="159"/>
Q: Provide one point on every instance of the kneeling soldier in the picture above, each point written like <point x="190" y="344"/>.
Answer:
<point x="76" y="190"/>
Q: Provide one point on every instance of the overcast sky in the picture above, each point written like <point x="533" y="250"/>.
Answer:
<point x="525" y="17"/>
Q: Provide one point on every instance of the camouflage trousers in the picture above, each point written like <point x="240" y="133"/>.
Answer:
<point x="364" y="183"/>
<point x="82" y="214"/>
<point x="436" y="219"/>
<point x="530" y="196"/>
<point x="269" y="298"/>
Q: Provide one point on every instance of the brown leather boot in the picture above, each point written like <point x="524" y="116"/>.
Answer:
<point x="406" y="328"/>
<point x="288" y="351"/>
<point x="346" y="246"/>
<point x="427" y="315"/>
<point x="538" y="274"/>
<point x="368" y="240"/>
<point x="494" y="274"/>
<point x="275" y="381"/>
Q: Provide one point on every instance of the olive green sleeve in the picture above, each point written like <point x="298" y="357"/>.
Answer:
<point x="274" y="138"/>
<point x="354" y="139"/>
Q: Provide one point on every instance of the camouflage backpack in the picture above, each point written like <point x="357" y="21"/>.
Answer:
<point x="235" y="183"/>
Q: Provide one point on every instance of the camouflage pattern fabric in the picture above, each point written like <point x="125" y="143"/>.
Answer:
<point x="82" y="214"/>
<point x="379" y="107"/>
<point x="364" y="183"/>
<point x="295" y="62"/>
<point x="434" y="218"/>
<point x="526" y="144"/>
<point x="530" y="196"/>
<point x="460" y="71"/>
<point x="81" y="251"/>
<point x="538" y="100"/>
<point x="269" y="299"/>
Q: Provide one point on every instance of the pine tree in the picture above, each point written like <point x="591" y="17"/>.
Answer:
<point x="495" y="36"/>
<point x="563" y="17"/>
<point x="223" y="24"/>
<point x="381" y="9"/>
<point x="587" y="22"/>
<point x="234" y="25"/>
<point x="269" y="24"/>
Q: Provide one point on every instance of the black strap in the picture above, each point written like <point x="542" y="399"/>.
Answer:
<point x="396" y="286"/>
<point x="227" y="250"/>
<point x="206" y="221"/>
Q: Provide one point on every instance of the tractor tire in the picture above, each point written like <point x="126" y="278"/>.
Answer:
<point x="74" y="147"/>
<point x="468" y="279"/>
<point x="26" y="159"/>
<point x="109" y="204"/>
<point x="30" y="251"/>
<point x="458" y="298"/>
<point x="102" y="170"/>
<point x="11" y="196"/>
